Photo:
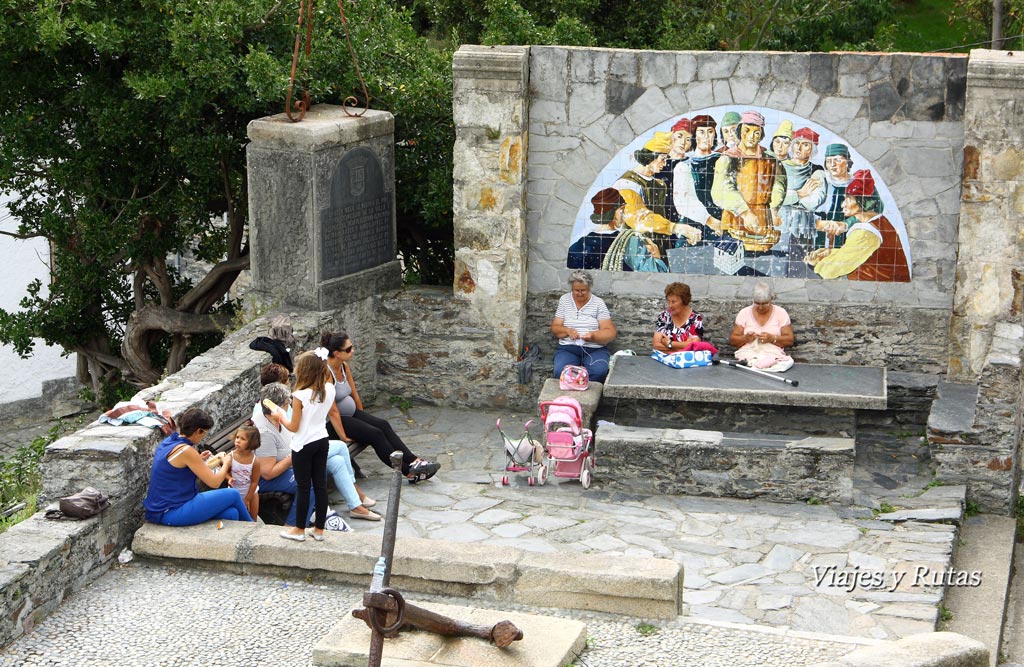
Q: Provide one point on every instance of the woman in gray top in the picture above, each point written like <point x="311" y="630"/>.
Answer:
<point x="361" y="426"/>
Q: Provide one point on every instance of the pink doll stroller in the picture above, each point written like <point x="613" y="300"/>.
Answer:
<point x="570" y="447"/>
<point x="524" y="454"/>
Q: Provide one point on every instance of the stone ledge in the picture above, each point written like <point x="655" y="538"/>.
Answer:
<point x="646" y="587"/>
<point x="692" y="462"/>
<point x="936" y="649"/>
<point x="953" y="413"/>
<point x="588" y="399"/>
<point x="324" y="126"/>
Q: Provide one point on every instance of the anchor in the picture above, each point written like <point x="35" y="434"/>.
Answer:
<point x="386" y="611"/>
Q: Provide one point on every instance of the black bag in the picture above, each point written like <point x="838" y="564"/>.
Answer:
<point x="524" y="365"/>
<point x="86" y="503"/>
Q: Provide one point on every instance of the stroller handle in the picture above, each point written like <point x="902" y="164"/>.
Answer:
<point x="527" y="424"/>
<point x="498" y="423"/>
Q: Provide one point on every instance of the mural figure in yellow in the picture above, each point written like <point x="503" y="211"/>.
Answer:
<point x="749" y="186"/>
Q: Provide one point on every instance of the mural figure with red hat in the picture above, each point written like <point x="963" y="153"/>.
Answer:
<point x="805" y="192"/>
<point x="750" y="185"/>
<point x="873" y="250"/>
<point x="680" y="139"/>
<point x="688" y="204"/>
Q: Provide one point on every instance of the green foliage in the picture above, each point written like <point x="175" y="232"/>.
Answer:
<point x="400" y="402"/>
<point x="126" y="144"/>
<point x="647" y="629"/>
<point x="813" y="500"/>
<point x="972" y="509"/>
<point x="974" y="17"/>
<point x="20" y="477"/>
<point x="798" y="25"/>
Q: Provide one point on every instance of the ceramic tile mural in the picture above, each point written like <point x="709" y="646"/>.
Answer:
<point x="741" y="191"/>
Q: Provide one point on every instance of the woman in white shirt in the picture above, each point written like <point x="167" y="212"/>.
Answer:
<point x="584" y="328"/>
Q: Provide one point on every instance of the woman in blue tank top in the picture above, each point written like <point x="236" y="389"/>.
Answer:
<point x="173" y="499"/>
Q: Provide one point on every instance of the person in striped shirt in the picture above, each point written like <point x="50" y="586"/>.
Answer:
<point x="584" y="328"/>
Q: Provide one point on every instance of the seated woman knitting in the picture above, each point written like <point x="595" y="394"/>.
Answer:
<point x="762" y="332"/>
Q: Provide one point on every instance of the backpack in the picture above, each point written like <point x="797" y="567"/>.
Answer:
<point x="82" y="505"/>
<point x="574" y="378"/>
<point x="524" y="365"/>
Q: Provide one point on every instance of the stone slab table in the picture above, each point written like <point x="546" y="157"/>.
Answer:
<point x="640" y="391"/>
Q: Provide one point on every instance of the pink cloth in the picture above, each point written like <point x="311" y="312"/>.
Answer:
<point x="700" y="346"/>
<point x="778" y="319"/>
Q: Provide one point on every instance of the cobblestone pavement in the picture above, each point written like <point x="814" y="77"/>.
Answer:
<point x="783" y="565"/>
<point x="158" y="616"/>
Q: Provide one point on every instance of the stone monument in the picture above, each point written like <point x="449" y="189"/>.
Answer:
<point x="322" y="207"/>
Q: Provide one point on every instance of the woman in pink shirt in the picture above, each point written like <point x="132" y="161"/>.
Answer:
<point x="762" y="321"/>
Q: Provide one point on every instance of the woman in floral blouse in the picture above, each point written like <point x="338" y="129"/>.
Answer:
<point x="679" y="324"/>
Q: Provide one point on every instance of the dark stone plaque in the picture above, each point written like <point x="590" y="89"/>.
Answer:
<point x="355" y="229"/>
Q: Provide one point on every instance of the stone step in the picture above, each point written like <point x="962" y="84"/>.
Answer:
<point x="986" y="548"/>
<point x="692" y="462"/>
<point x="638" y="586"/>
<point x="588" y="399"/>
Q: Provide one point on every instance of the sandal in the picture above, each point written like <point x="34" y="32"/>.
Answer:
<point x="422" y="470"/>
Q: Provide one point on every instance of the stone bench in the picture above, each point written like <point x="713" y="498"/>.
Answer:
<point x="713" y="463"/>
<point x="644" y="587"/>
<point x="641" y="391"/>
<point x="588" y="399"/>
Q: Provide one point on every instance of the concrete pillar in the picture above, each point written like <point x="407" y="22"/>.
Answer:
<point x="986" y="333"/>
<point x="322" y="208"/>
<point x="490" y="110"/>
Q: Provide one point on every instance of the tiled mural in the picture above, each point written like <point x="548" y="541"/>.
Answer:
<point x="748" y="191"/>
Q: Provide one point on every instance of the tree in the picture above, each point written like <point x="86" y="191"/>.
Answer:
<point x="124" y="134"/>
<point x="798" y="25"/>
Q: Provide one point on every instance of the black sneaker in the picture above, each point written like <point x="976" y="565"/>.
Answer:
<point x="422" y="470"/>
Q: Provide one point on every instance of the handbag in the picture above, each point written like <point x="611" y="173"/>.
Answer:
<point x="85" y="504"/>
<point x="574" y="378"/>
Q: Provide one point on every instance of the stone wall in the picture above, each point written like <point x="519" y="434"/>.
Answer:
<point x="42" y="561"/>
<point x="986" y="332"/>
<point x="710" y="463"/>
<point x="902" y="112"/>
<point x="490" y="113"/>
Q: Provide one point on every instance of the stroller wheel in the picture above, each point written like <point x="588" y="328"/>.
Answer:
<point x="585" y="478"/>
<point x="504" y="480"/>
<point x="542" y="474"/>
<point x="529" y="481"/>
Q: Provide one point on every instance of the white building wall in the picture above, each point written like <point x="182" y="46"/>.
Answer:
<point x="23" y="262"/>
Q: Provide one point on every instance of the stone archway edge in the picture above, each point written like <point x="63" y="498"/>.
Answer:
<point x="635" y="586"/>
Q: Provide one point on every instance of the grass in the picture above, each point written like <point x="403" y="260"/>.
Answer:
<point x="973" y="509"/>
<point x="945" y="616"/>
<point x="813" y="500"/>
<point x="923" y="25"/>
<point x="646" y="629"/>
<point x="21" y="480"/>
<point x="400" y="402"/>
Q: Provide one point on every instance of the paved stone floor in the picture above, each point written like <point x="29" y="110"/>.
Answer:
<point x="782" y="565"/>
<point x="774" y="568"/>
<point x="158" y="616"/>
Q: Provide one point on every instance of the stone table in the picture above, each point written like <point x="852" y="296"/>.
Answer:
<point x="642" y="391"/>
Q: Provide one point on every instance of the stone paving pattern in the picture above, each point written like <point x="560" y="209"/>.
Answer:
<point x="214" y="619"/>
<point x="744" y="561"/>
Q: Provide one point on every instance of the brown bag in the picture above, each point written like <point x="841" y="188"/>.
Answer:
<point x="86" y="503"/>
